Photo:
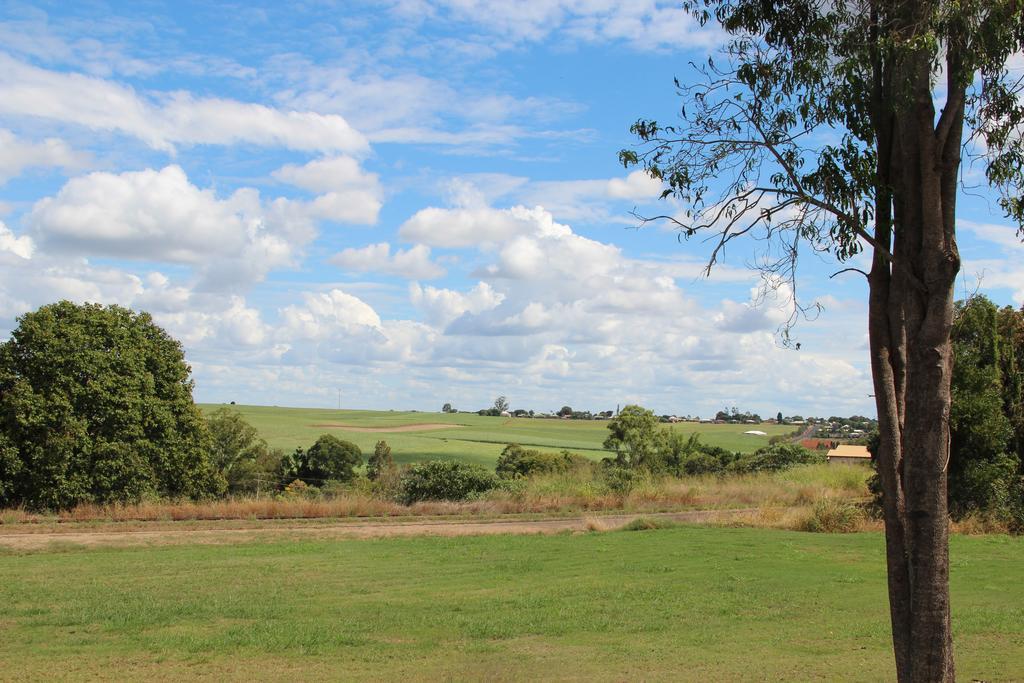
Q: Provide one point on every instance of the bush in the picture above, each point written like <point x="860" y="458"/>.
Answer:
<point x="515" y="461"/>
<point x="620" y="480"/>
<point x="650" y="524"/>
<point x="832" y="516"/>
<point x="445" y="480"/>
<point x="777" y="457"/>
<point x="381" y="462"/>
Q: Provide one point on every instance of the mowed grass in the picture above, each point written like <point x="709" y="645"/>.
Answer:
<point x="471" y="438"/>
<point x="675" y="604"/>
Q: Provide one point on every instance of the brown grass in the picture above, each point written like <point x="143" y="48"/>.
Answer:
<point x="578" y="492"/>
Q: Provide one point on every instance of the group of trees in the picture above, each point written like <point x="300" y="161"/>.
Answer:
<point x="641" y="444"/>
<point x="987" y="415"/>
<point x="96" y="407"/>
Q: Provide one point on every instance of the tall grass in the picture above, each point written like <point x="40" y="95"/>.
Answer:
<point x="580" y="491"/>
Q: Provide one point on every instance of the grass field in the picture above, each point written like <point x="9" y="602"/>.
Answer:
<point x="674" y="604"/>
<point x="471" y="438"/>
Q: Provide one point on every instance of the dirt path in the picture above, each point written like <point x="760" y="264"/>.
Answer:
<point x="423" y="427"/>
<point x="29" y="540"/>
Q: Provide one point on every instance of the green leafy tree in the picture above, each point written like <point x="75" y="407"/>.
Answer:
<point x="861" y="79"/>
<point x="636" y="438"/>
<point x="983" y="470"/>
<point x="96" y="407"/>
<point x="446" y="408"/>
<point x="380" y="463"/>
<point x="564" y="411"/>
<point x="501" y="404"/>
<point x="329" y="459"/>
<point x="237" y="451"/>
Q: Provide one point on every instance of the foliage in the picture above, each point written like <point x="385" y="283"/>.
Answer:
<point x="820" y="132"/>
<point x="329" y="459"/>
<point x="501" y="404"/>
<point x="984" y="469"/>
<point x="777" y="457"/>
<point x="447" y="408"/>
<point x="380" y="462"/>
<point x="445" y="480"/>
<point x="649" y="524"/>
<point x="832" y="516"/>
<point x="96" y="406"/>
<point x="517" y="462"/>
<point x="635" y="437"/>
<point x="237" y="451"/>
<point x="620" y="480"/>
<point x="564" y="411"/>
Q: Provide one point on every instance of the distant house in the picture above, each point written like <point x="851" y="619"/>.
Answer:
<point x="847" y="454"/>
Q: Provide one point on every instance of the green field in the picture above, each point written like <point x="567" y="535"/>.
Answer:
<point x="471" y="437"/>
<point x="677" y="604"/>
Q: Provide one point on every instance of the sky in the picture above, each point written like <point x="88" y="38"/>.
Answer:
<point x="405" y="203"/>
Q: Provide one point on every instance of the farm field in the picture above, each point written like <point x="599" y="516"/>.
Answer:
<point x="686" y="603"/>
<point x="462" y="436"/>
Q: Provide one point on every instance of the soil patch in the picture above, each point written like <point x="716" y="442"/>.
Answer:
<point x="422" y="427"/>
<point x="356" y="529"/>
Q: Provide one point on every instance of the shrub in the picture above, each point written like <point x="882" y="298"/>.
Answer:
<point x="620" y="480"/>
<point x="778" y="457"/>
<point x="380" y="462"/>
<point x="649" y="524"/>
<point x="832" y="516"/>
<point x="445" y="480"/>
<point x="515" y="461"/>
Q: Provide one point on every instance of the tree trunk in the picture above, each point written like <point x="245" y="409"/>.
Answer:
<point x="910" y="313"/>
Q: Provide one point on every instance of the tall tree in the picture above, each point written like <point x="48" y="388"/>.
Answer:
<point x="867" y="74"/>
<point x="96" y="407"/>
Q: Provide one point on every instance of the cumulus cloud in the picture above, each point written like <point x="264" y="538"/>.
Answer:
<point x="586" y="201"/>
<point x="347" y="193"/>
<point x="473" y="226"/>
<point x="160" y="216"/>
<point x="442" y="306"/>
<point x="163" y="120"/>
<point x="21" y="246"/>
<point x="17" y="154"/>
<point x="412" y="264"/>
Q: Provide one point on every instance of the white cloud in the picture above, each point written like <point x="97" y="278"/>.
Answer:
<point x="17" y="155"/>
<point x="163" y="120"/>
<point x="160" y="216"/>
<point x="442" y="306"/>
<point x="412" y="264"/>
<point x="22" y="246"/>
<point x="348" y="193"/>
<point x="643" y="24"/>
<point x="472" y="227"/>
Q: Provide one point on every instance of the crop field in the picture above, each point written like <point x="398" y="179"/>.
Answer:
<point x="416" y="436"/>
<point x="683" y="603"/>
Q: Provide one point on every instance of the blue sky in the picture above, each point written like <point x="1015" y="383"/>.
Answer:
<point x="413" y="202"/>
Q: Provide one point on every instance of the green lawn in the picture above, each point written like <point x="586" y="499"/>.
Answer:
<point x="472" y="438"/>
<point x="678" y="604"/>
